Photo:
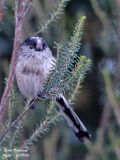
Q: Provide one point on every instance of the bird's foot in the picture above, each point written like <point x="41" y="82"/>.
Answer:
<point x="31" y="104"/>
<point x="41" y="95"/>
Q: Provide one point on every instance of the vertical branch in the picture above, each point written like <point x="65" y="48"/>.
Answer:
<point x="111" y="97"/>
<point x="97" y="149"/>
<point x="21" y="8"/>
<point x="98" y="11"/>
<point x="2" y="12"/>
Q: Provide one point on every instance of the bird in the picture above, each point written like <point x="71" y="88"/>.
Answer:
<point x="34" y="63"/>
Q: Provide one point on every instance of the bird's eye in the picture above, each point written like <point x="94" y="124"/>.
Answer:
<point x="32" y="46"/>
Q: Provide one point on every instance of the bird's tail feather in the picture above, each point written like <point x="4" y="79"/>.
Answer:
<point x="73" y="120"/>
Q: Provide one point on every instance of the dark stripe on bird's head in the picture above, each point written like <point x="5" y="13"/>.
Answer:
<point x="37" y="43"/>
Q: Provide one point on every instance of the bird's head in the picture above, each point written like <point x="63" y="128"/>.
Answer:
<point x="35" y="44"/>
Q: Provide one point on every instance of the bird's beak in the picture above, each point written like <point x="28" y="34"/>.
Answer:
<point x="39" y="46"/>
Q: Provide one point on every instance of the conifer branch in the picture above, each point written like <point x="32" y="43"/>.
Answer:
<point x="18" y="119"/>
<point x="16" y="133"/>
<point x="55" y="15"/>
<point x="64" y="71"/>
<point x="42" y="129"/>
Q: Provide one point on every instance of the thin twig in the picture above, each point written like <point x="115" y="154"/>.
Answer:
<point x="111" y="97"/>
<point x="18" y="119"/>
<point x="42" y="129"/>
<point x="75" y="92"/>
<point x="114" y="142"/>
<point x="15" y="133"/>
<point x="21" y="9"/>
<point x="97" y="149"/>
<point x="2" y="10"/>
<point x="54" y="16"/>
<point x="99" y="12"/>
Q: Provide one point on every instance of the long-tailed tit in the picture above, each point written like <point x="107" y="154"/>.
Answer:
<point x="34" y="63"/>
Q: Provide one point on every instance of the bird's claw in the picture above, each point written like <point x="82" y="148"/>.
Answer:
<point x="41" y="95"/>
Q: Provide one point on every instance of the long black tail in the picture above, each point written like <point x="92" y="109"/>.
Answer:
<point x="73" y="120"/>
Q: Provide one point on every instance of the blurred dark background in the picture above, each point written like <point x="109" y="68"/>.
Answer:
<point x="93" y="104"/>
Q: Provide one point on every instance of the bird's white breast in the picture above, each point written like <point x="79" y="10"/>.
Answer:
<point x="31" y="74"/>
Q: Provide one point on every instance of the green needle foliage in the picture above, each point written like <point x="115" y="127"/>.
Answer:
<point x="54" y="16"/>
<point x="69" y="67"/>
<point x="42" y="129"/>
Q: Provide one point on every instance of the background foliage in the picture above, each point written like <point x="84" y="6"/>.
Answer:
<point x="97" y="103"/>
